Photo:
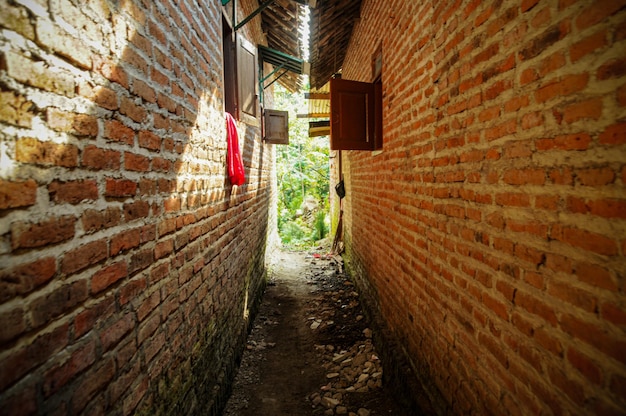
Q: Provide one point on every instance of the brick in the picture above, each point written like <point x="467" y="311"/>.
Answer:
<point x="37" y="74"/>
<point x="586" y="240"/>
<point x="131" y="57"/>
<point x="160" y="164"/>
<point x="117" y="131"/>
<point x="58" y="376"/>
<point x="144" y="90"/>
<point x="513" y="199"/>
<point x="105" y="97"/>
<point x="96" y="158"/>
<point x="110" y="70"/>
<point x="17" y="194"/>
<point x="578" y="141"/>
<point x="19" y="361"/>
<point x="93" y="315"/>
<point x="133" y="110"/>
<point x="108" y="276"/>
<point x="551" y="63"/>
<point x="166" y="102"/>
<point x="614" y="135"/>
<point x="595" y="176"/>
<point x="136" y="163"/>
<point x="172" y="204"/>
<point x="58" y="301"/>
<point x="595" y="336"/>
<point x="149" y="140"/>
<point x="598" y="11"/>
<point x="73" y="192"/>
<point x="504" y="129"/>
<point x="93" y="382"/>
<point x="76" y="124"/>
<point x="63" y="44"/>
<point x="84" y="256"/>
<point x="29" y="150"/>
<point x="16" y="109"/>
<point x="120" y="188"/>
<point x="131" y="289"/>
<point x="51" y="231"/>
<point x="574" y="296"/>
<point x="94" y="220"/>
<point x="596" y="276"/>
<point x="589" y="109"/>
<point x="16" y="18"/>
<point x="541" y="43"/>
<point x="562" y="87"/>
<point x="614" y="314"/>
<point x="588" y="45"/>
<point x="136" y="210"/>
<point x="163" y="248"/>
<point x="585" y="366"/>
<point x="531" y="120"/>
<point x="24" y="278"/>
<point x="524" y="176"/>
<point x="14" y="324"/>
<point x="536" y="306"/>
<point x="126" y="240"/>
<point x="140" y="260"/>
<point x="615" y="68"/>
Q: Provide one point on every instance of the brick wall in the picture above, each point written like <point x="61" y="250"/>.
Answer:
<point x="490" y="233"/>
<point x="128" y="264"/>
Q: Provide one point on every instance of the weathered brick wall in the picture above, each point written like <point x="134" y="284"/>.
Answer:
<point x="128" y="264"/>
<point x="490" y="233"/>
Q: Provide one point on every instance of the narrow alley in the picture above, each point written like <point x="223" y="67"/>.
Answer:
<point x="310" y="350"/>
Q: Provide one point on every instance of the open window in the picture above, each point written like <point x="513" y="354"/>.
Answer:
<point x="355" y="115"/>
<point x="276" y="127"/>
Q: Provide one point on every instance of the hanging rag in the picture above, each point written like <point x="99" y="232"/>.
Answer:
<point x="236" y="172"/>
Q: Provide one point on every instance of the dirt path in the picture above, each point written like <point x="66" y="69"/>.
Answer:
<point x="310" y="351"/>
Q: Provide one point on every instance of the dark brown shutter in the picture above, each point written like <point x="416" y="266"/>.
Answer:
<point x="247" y="76"/>
<point x="352" y="115"/>
<point x="276" y="127"/>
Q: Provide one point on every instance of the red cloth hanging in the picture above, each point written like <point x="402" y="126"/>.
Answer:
<point x="236" y="172"/>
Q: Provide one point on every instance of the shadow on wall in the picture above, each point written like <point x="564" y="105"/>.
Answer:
<point x="126" y="259"/>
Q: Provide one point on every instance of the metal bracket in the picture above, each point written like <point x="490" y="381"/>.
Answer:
<point x="253" y="14"/>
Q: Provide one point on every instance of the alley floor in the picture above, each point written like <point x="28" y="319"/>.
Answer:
<point x="310" y="351"/>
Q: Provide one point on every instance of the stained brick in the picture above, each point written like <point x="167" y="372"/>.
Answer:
<point x="15" y="194"/>
<point x="73" y="192"/>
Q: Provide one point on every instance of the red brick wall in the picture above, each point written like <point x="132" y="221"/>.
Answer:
<point x="490" y="233"/>
<point x="128" y="264"/>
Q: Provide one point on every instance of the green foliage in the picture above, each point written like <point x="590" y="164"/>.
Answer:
<point x="321" y="229"/>
<point x="303" y="171"/>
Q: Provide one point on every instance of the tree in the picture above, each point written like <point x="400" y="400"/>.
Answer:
<point x="303" y="174"/>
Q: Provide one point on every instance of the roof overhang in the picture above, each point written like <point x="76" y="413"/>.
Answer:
<point x="331" y="24"/>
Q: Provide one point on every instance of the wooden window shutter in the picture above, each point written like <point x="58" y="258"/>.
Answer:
<point x="352" y="115"/>
<point x="276" y="127"/>
<point x="247" y="76"/>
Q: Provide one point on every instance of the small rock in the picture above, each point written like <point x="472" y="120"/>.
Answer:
<point x="341" y="410"/>
<point x="332" y="375"/>
<point x="329" y="402"/>
<point x="363" y="412"/>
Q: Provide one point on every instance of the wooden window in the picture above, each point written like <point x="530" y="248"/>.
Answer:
<point x="355" y="115"/>
<point x="276" y="124"/>
<point x="247" y="72"/>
